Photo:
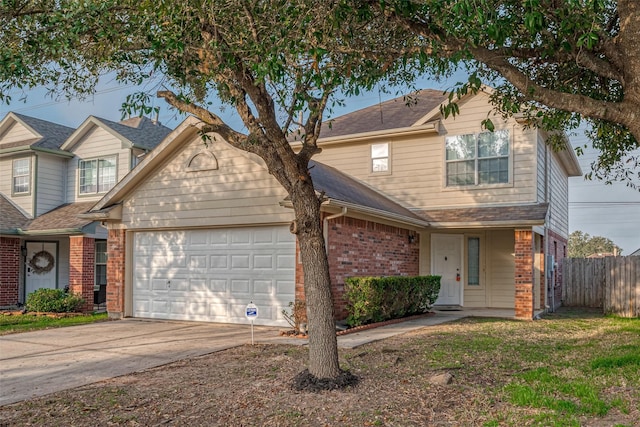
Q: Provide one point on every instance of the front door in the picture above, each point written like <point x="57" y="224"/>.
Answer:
<point x="41" y="266"/>
<point x="446" y="261"/>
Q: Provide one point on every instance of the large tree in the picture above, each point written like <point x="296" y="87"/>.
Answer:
<point x="558" y="62"/>
<point x="277" y="62"/>
<point x="581" y="245"/>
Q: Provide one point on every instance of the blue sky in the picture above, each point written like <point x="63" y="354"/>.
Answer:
<point x="612" y="211"/>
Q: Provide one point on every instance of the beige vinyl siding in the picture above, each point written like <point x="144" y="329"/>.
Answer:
<point x="239" y="192"/>
<point x="501" y="272"/>
<point x="559" y="197"/>
<point x="16" y="132"/>
<point x="63" y="262"/>
<point x="51" y="179"/>
<point x="541" y="170"/>
<point x="24" y="201"/>
<point x="418" y="168"/>
<point x="97" y="143"/>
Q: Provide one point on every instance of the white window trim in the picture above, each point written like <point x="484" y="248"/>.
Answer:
<point x="372" y="158"/>
<point x="477" y="185"/>
<point x="14" y="176"/>
<point x="97" y="159"/>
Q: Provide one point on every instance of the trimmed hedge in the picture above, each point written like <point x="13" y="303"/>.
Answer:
<point x="53" y="301"/>
<point x="376" y="299"/>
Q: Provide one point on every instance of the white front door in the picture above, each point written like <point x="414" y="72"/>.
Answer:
<point x="41" y="266"/>
<point x="446" y="261"/>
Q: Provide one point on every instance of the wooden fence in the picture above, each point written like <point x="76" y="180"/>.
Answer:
<point x="612" y="283"/>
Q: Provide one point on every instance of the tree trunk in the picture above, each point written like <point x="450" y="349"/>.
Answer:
<point x="323" y="346"/>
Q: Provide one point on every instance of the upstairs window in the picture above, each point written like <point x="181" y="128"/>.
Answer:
<point x="478" y="159"/>
<point x="21" y="176"/>
<point x="97" y="175"/>
<point x="380" y="157"/>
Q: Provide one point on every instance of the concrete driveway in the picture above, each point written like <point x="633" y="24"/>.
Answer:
<point x="38" y="363"/>
<point x="42" y="362"/>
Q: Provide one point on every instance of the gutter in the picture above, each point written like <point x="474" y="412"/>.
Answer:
<point x="389" y="216"/>
<point x="325" y="227"/>
<point x="22" y="232"/>
<point x="406" y="131"/>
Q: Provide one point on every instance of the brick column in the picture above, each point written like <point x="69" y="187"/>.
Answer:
<point x="115" y="273"/>
<point x="524" y="274"/>
<point x="9" y="271"/>
<point x="82" y="268"/>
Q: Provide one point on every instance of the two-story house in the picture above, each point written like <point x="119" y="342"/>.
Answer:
<point x="196" y="231"/>
<point x="49" y="174"/>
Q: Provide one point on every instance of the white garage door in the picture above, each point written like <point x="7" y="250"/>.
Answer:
<point x="211" y="275"/>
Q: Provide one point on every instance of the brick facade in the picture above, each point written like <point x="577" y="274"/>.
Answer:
<point x="115" y="273"/>
<point x="524" y="250"/>
<point x="82" y="268"/>
<point x="9" y="271"/>
<point x="363" y="248"/>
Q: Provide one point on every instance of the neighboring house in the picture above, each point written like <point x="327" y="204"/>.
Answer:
<point x="48" y="175"/>
<point x="636" y="253"/>
<point x="197" y="232"/>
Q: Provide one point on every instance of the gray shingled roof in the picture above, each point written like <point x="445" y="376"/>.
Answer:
<point x="340" y="186"/>
<point x="141" y="131"/>
<point x="396" y="113"/>
<point x="61" y="218"/>
<point x="53" y="134"/>
<point x="10" y="216"/>
<point x="518" y="213"/>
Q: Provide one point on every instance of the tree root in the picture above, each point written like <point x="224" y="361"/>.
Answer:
<point x="304" y="381"/>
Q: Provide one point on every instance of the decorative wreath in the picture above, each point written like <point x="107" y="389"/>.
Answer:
<point x="42" y="262"/>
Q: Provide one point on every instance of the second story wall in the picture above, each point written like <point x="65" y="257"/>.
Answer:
<point x="417" y="175"/>
<point x="23" y="199"/>
<point x="103" y="147"/>
<point x="51" y="177"/>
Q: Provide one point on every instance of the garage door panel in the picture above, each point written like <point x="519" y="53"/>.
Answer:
<point x="262" y="288"/>
<point x="240" y="262"/>
<point x="285" y="288"/>
<point x="218" y="286"/>
<point x="211" y="275"/>
<point x="218" y="262"/>
<point x="241" y="288"/>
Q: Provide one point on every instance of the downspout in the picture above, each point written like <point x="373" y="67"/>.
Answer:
<point x="548" y="271"/>
<point x="325" y="227"/>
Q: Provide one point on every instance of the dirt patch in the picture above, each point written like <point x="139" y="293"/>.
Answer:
<point x="253" y="385"/>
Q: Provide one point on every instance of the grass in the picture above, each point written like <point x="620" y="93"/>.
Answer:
<point x="569" y="369"/>
<point x="27" y="322"/>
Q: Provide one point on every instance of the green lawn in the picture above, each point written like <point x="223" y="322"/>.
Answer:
<point x="24" y="323"/>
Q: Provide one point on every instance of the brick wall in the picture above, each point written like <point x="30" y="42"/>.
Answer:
<point x="82" y="268"/>
<point x="524" y="274"/>
<point x="9" y="271"/>
<point x="364" y="248"/>
<point x="115" y="273"/>
<point x="556" y="246"/>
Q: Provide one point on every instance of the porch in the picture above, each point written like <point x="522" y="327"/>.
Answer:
<point x="502" y="313"/>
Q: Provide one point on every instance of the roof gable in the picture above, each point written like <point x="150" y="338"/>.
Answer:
<point x="46" y="135"/>
<point x="172" y="154"/>
<point x="140" y="132"/>
<point x="402" y="112"/>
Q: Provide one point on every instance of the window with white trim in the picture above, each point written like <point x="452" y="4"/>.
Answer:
<point x="380" y="157"/>
<point x="21" y="176"/>
<point x="96" y="175"/>
<point x="473" y="261"/>
<point x="101" y="262"/>
<point x="477" y="159"/>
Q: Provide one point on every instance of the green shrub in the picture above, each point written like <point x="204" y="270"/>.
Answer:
<point x="375" y="299"/>
<point x="54" y="301"/>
